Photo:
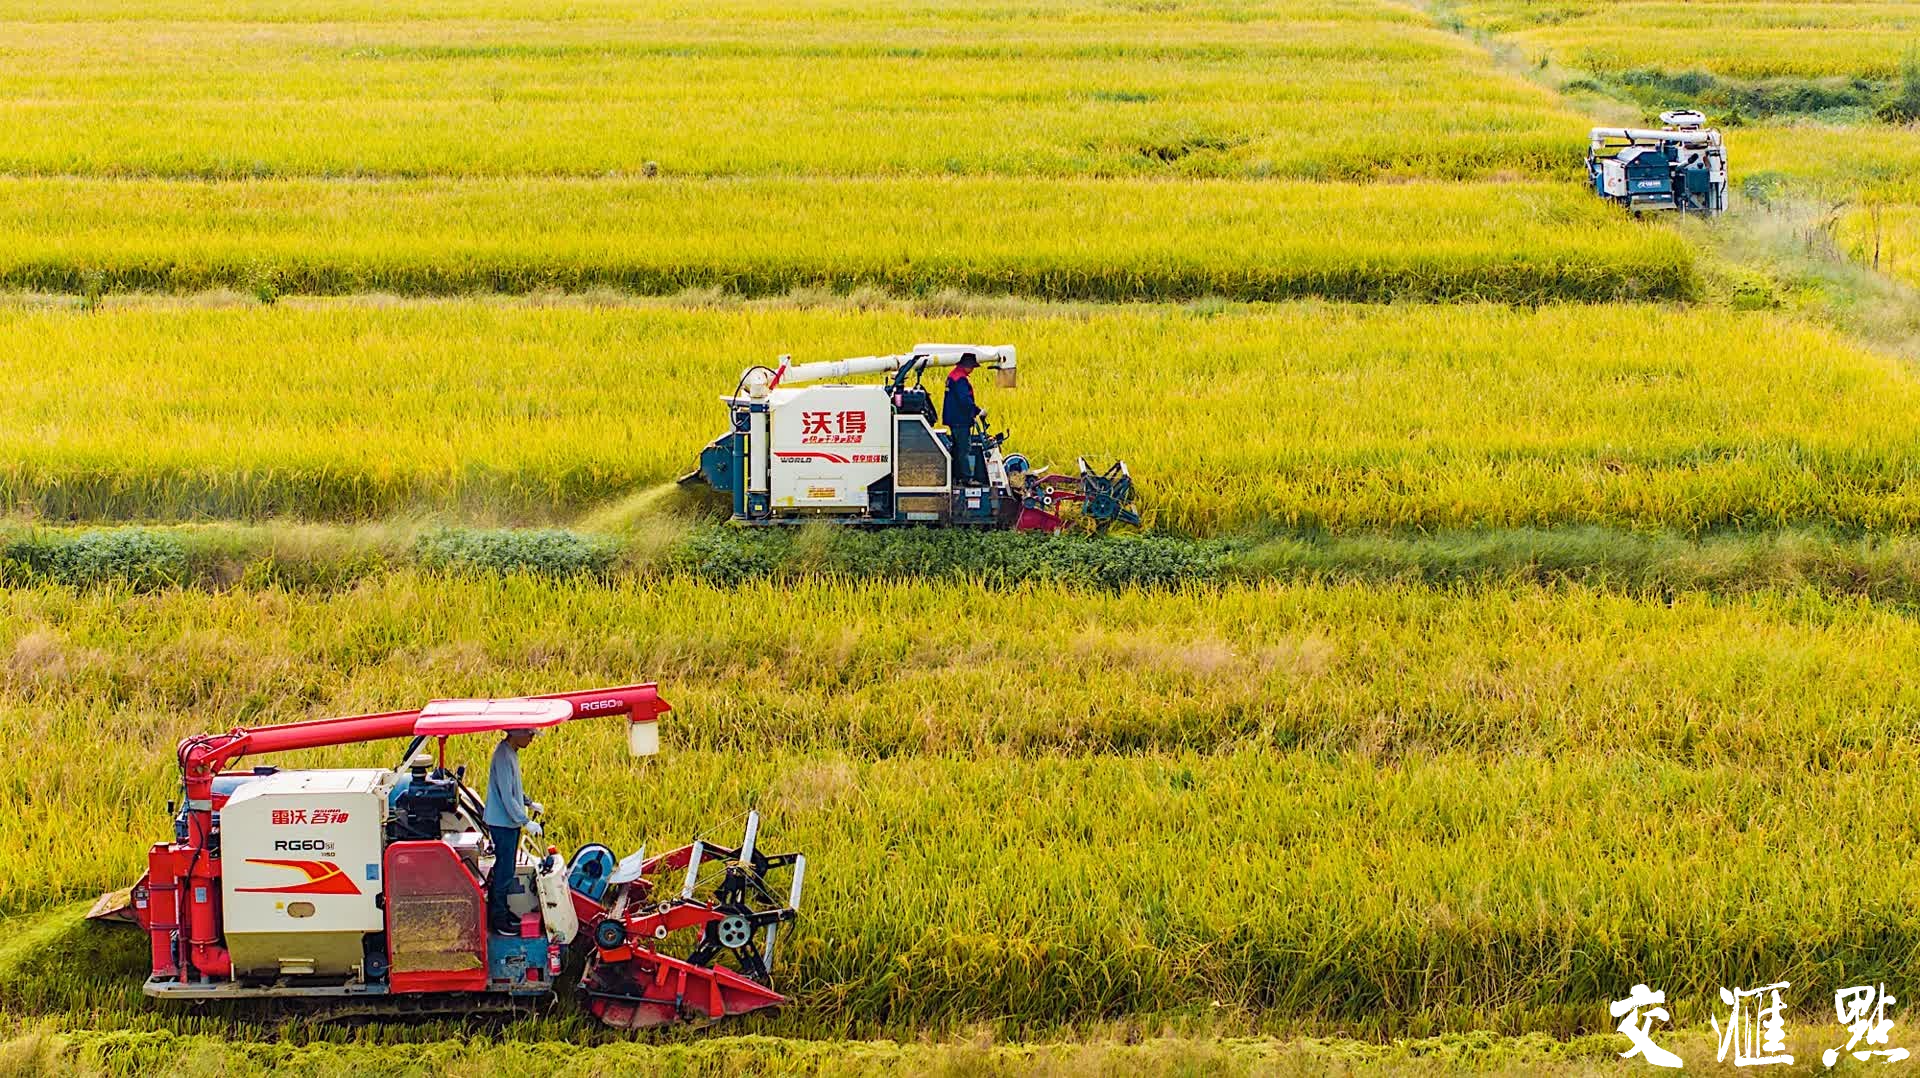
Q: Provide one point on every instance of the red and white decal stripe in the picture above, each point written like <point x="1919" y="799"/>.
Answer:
<point x="323" y="878"/>
<point x="810" y="454"/>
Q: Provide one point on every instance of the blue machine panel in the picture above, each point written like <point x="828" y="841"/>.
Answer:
<point x="517" y="965"/>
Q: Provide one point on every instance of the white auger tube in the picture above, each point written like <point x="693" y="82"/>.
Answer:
<point x="999" y="357"/>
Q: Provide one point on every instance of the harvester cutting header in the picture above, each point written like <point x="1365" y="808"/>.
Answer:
<point x="359" y="891"/>
<point x="804" y="446"/>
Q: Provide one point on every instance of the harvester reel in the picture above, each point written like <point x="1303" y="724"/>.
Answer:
<point x="1107" y="494"/>
<point x="650" y="982"/>
<point x="1103" y="496"/>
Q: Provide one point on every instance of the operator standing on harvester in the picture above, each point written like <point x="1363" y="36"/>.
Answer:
<point x="958" y="411"/>
<point x="508" y="810"/>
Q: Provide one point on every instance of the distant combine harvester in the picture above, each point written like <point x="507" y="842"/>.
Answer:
<point x="1681" y="166"/>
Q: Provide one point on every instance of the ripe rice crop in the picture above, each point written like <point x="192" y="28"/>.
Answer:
<point x="1079" y="240"/>
<point x="465" y="90"/>
<point x="1886" y="236"/>
<point x="1388" y="671"/>
<point x="1840" y="162"/>
<point x="1301" y="415"/>
<point x="1501" y="874"/>
<point x="1747" y="39"/>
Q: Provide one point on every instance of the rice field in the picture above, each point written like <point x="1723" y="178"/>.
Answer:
<point x="1243" y="90"/>
<point x="1077" y="240"/>
<point x="1291" y="416"/>
<point x="1744" y="39"/>
<point x="1298" y="877"/>
<point x="1517" y="621"/>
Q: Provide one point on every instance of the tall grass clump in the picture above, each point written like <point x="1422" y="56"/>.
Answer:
<point x="140" y="558"/>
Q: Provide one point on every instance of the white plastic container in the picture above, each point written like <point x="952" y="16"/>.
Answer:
<point x="643" y="738"/>
<point x="556" y="899"/>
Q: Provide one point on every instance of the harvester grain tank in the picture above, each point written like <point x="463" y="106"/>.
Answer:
<point x="804" y="445"/>
<point x="360" y="890"/>
<point x="1680" y="166"/>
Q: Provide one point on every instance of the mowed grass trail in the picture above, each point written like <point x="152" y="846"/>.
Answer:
<point x="1249" y="90"/>
<point x="1231" y="417"/>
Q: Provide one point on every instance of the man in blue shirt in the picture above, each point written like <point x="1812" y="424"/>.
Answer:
<point x="508" y="811"/>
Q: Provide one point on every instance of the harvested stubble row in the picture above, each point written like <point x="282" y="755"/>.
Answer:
<point x="1078" y="239"/>
<point x="46" y="1048"/>
<point x="1346" y="417"/>
<point x="636" y="546"/>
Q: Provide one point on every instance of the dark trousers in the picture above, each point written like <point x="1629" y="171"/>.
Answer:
<point x="506" y="855"/>
<point x="963" y="457"/>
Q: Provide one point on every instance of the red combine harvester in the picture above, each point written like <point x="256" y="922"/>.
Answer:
<point x="362" y="890"/>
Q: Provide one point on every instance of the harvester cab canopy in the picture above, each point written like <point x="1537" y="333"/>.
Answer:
<point x="804" y="445"/>
<point x="446" y="718"/>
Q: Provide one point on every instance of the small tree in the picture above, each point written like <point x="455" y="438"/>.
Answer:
<point x="1904" y="106"/>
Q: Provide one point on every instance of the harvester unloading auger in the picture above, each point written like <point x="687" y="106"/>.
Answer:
<point x="798" y="451"/>
<point x="360" y="891"/>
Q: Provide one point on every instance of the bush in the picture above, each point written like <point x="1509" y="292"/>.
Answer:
<point x="140" y="558"/>
<point x="730" y="556"/>
<point x="1904" y="106"/>
<point x="549" y="551"/>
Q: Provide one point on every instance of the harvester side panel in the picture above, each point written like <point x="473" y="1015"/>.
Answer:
<point x="830" y="444"/>
<point x="436" y="920"/>
<point x="921" y="462"/>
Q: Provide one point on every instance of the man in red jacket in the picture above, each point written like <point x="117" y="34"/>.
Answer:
<point x="959" y="412"/>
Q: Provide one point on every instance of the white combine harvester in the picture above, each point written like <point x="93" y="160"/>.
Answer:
<point x="803" y="445"/>
<point x="1681" y="166"/>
